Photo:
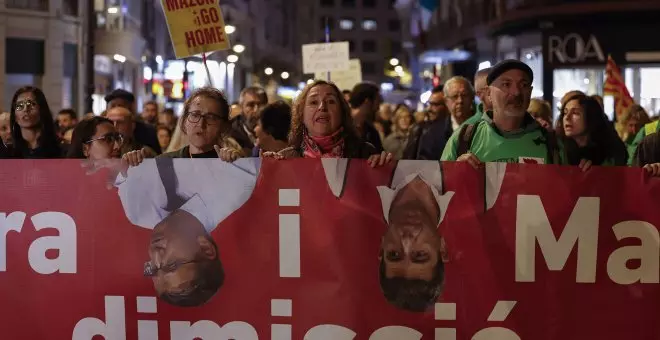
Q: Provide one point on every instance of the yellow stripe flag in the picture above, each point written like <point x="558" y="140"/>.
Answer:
<point x="615" y="86"/>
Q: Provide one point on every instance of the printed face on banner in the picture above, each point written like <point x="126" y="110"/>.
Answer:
<point x="411" y="270"/>
<point x="196" y="26"/>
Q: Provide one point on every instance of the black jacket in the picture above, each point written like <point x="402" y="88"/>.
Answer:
<point x="146" y="134"/>
<point x="428" y="139"/>
<point x="239" y="134"/>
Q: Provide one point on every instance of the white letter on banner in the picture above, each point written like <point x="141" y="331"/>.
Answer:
<point x="114" y="328"/>
<point x="65" y="243"/>
<point x="209" y="330"/>
<point x="14" y="221"/>
<point x="532" y="225"/>
<point x="395" y="333"/>
<point x="648" y="253"/>
<point x="329" y="332"/>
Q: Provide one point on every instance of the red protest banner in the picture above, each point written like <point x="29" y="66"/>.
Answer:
<point x="327" y="250"/>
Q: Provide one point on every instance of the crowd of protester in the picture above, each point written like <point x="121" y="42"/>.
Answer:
<point x="491" y="119"/>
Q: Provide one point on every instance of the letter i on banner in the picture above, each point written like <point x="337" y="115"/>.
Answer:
<point x="289" y="234"/>
<point x="197" y="30"/>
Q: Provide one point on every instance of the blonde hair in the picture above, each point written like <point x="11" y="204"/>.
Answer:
<point x="540" y="108"/>
<point x="633" y="112"/>
<point x="401" y="111"/>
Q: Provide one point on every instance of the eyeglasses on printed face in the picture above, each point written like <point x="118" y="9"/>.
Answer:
<point x="210" y="118"/>
<point x="151" y="270"/>
<point x="25" y="105"/>
<point x="109" y="138"/>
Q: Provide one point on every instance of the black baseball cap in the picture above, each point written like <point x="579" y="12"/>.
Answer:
<point x="119" y="93"/>
<point x="507" y="65"/>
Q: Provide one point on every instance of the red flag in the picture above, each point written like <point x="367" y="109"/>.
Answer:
<point x="616" y="87"/>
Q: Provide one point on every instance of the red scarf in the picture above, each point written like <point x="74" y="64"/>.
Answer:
<point x="331" y="146"/>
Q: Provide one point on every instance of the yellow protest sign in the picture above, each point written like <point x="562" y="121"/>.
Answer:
<point x="196" y="26"/>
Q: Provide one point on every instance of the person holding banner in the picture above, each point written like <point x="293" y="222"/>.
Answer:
<point x="322" y="127"/>
<point x="412" y="252"/>
<point x="179" y="201"/>
<point x="588" y="137"/>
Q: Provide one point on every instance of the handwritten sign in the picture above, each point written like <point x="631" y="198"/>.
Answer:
<point x="345" y="80"/>
<point x="325" y="57"/>
<point x="196" y="26"/>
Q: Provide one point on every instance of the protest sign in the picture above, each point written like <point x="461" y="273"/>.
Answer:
<point x="326" y="57"/>
<point x="345" y="80"/>
<point x="202" y="249"/>
<point x="196" y="26"/>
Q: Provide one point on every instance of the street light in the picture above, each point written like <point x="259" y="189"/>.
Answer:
<point x="229" y="29"/>
<point x="268" y="71"/>
<point x="285" y="75"/>
<point x="120" y="58"/>
<point x="309" y="81"/>
<point x="232" y="58"/>
<point x="398" y="69"/>
<point x="394" y="61"/>
<point x="113" y="10"/>
<point x="239" y="48"/>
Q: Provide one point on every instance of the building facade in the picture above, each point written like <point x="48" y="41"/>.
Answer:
<point x="42" y="44"/>
<point x="566" y="43"/>
<point x="373" y="30"/>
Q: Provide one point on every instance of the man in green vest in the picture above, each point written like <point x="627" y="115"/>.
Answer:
<point x="648" y="129"/>
<point x="507" y="133"/>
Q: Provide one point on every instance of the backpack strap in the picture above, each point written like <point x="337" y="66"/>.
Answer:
<point x="465" y="137"/>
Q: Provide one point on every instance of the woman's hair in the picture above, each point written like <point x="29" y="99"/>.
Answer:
<point x="402" y="110"/>
<point x="208" y="92"/>
<point x="351" y="138"/>
<point x="540" y="108"/>
<point x="163" y="127"/>
<point x="82" y="133"/>
<point x="276" y="120"/>
<point x="603" y="142"/>
<point x="48" y="138"/>
<point x="634" y="112"/>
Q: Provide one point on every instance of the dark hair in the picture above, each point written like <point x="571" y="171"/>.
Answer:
<point x="276" y="120"/>
<point x="151" y="102"/>
<point x="256" y="91"/>
<point x="169" y="111"/>
<point x="438" y="89"/>
<point x="48" y="140"/>
<point x="210" y="277"/>
<point x="351" y="138"/>
<point x="413" y="295"/>
<point x="208" y="92"/>
<point x="70" y="112"/>
<point x="362" y="92"/>
<point x="344" y="92"/>
<point x="604" y="142"/>
<point x="82" y="133"/>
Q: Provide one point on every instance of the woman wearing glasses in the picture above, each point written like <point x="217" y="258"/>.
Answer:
<point x="32" y="126"/>
<point x="95" y="139"/>
<point x="205" y="123"/>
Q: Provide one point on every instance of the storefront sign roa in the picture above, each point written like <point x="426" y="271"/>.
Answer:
<point x="574" y="48"/>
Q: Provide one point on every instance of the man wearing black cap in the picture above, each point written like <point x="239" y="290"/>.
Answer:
<point x="143" y="134"/>
<point x="507" y="133"/>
